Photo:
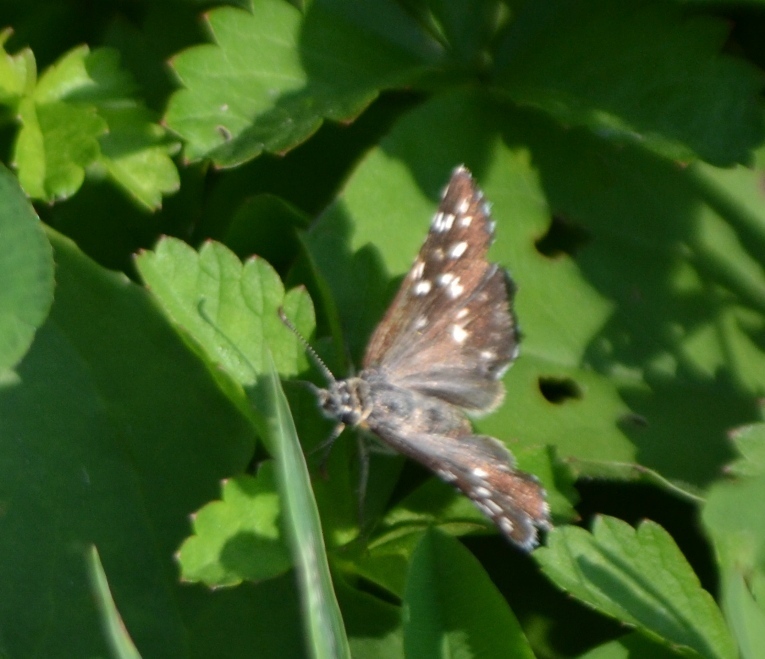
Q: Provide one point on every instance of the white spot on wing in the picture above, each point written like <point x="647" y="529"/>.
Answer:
<point x="442" y="222"/>
<point x="506" y="525"/>
<point x="493" y="506"/>
<point x="463" y="206"/>
<point x="455" y="288"/>
<point x="420" y="322"/>
<point x="462" y="313"/>
<point x="422" y="287"/>
<point x="459" y="334"/>
<point x="418" y="269"/>
<point x="446" y="475"/>
<point x="465" y="221"/>
<point x="458" y="250"/>
<point x="500" y="373"/>
<point x="482" y="492"/>
<point x="445" y="278"/>
<point x="480" y="473"/>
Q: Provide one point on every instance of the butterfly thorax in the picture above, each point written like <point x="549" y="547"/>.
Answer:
<point x="405" y="410"/>
<point x="371" y="400"/>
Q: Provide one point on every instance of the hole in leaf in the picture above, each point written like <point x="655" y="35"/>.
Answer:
<point x="562" y="237"/>
<point x="559" y="390"/>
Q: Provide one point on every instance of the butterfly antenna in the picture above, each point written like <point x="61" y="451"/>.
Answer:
<point x="309" y="349"/>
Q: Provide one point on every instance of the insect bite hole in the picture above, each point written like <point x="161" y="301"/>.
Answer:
<point x="563" y="236"/>
<point x="559" y="390"/>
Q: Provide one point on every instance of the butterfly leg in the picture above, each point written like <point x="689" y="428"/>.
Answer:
<point x="325" y="448"/>
<point x="363" y="454"/>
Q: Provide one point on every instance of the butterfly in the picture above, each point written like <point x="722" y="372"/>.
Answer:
<point x="438" y="354"/>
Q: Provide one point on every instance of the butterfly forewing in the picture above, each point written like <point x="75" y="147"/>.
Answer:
<point x="449" y="331"/>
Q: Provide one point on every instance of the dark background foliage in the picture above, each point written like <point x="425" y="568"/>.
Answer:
<point x="163" y="144"/>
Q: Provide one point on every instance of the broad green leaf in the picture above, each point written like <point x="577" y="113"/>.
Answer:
<point x="639" y="577"/>
<point x="26" y="270"/>
<point x="56" y="143"/>
<point x="18" y="72"/>
<point x="734" y="516"/>
<point x="113" y="434"/>
<point x="82" y="75"/>
<point x="627" y="332"/>
<point x="261" y="620"/>
<point x="750" y="443"/>
<point x="230" y="309"/>
<point x="82" y="114"/>
<point x="237" y="538"/>
<point x="324" y="628"/>
<point x="274" y="75"/>
<point x="746" y="615"/>
<point x="452" y="609"/>
<point x="119" y="640"/>
<point x="589" y="64"/>
<point x="136" y="154"/>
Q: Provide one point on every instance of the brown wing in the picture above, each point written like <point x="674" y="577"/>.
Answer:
<point x="483" y="469"/>
<point x="449" y="332"/>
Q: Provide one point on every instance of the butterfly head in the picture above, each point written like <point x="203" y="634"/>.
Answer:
<point x="346" y="401"/>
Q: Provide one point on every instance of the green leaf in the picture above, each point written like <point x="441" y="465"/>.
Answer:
<point x="590" y="64"/>
<point x="119" y="434"/>
<point x="750" y="444"/>
<point x="260" y="619"/>
<point x="84" y="76"/>
<point x="733" y="516"/>
<point x="237" y="538"/>
<point x="136" y="154"/>
<point x="324" y="628"/>
<point x="230" y="309"/>
<point x="452" y="609"/>
<point x="746" y="615"/>
<point x="18" y="72"/>
<point x="26" y="270"/>
<point x="274" y="75"/>
<point x="114" y="629"/>
<point x="639" y="577"/>
<point x="82" y="114"/>
<point x="55" y="145"/>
